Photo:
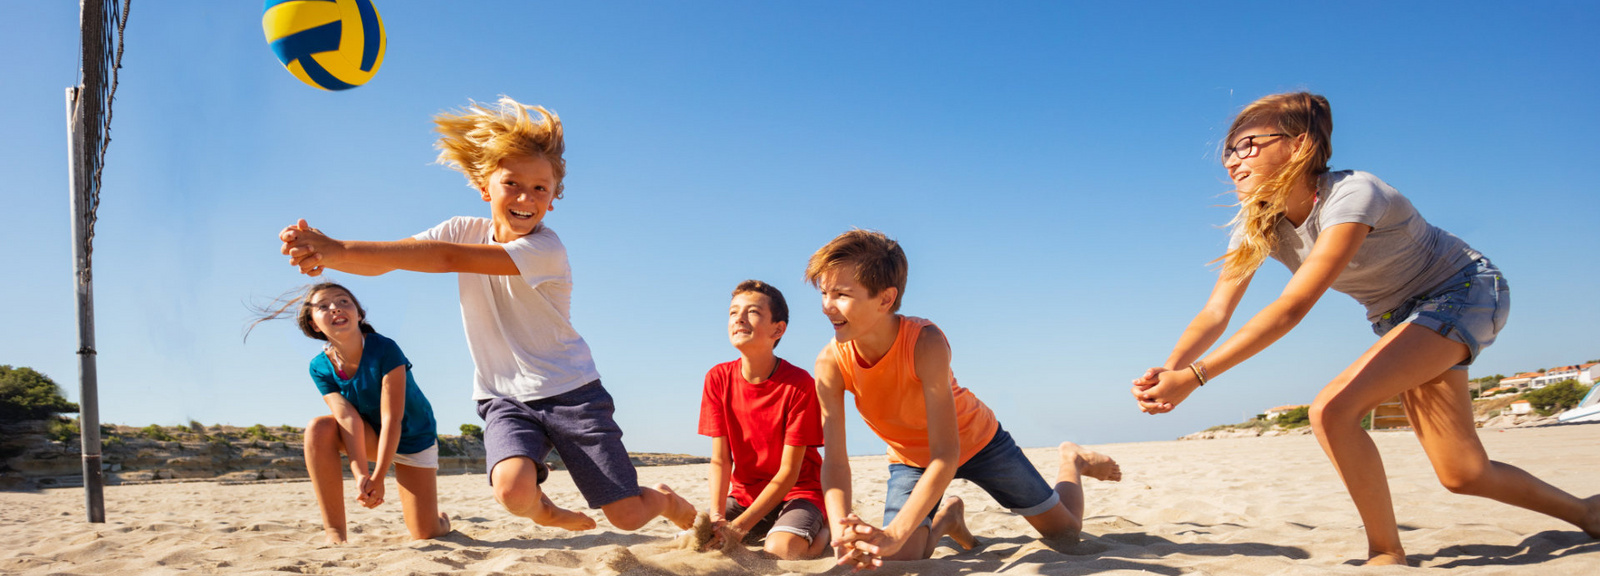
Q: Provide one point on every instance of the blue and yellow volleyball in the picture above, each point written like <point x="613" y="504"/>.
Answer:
<point x="330" y="44"/>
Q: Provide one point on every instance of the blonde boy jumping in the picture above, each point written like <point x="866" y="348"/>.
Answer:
<point x="534" y="380"/>
<point x="898" y="368"/>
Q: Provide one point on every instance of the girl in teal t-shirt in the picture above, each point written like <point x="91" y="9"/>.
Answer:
<point x="376" y="408"/>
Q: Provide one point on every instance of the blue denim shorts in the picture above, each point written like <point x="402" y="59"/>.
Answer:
<point x="1001" y="469"/>
<point x="1470" y="308"/>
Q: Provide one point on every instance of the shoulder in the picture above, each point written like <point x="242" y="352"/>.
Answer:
<point x="460" y="229"/>
<point x="1348" y="183"/>
<point x="320" y="365"/>
<point x="542" y="238"/>
<point x="929" y="337"/>
<point x="793" y="375"/>
<point x="721" y="371"/>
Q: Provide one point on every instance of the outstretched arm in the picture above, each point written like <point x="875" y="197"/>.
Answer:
<point x="312" y="251"/>
<point x="1328" y="258"/>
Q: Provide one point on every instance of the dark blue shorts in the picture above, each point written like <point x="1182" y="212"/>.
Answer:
<point x="578" y="425"/>
<point x="1001" y="469"/>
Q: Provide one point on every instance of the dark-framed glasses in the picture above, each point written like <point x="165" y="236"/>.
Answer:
<point x="1245" y="147"/>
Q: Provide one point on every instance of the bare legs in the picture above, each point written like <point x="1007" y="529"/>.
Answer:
<point x="419" y="496"/>
<point x="516" y="486"/>
<point x="1415" y="361"/>
<point x="950" y="520"/>
<point x="1064" y="522"/>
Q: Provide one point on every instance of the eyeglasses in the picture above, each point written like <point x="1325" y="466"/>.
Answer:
<point x="1245" y="147"/>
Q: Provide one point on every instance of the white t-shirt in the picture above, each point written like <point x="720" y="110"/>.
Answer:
<point x="1402" y="257"/>
<point x="519" y="328"/>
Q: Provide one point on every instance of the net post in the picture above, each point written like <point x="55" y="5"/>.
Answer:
<point x="80" y="179"/>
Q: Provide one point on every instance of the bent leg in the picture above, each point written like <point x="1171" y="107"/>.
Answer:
<point x="1064" y="522"/>
<point x="1441" y="413"/>
<point x="1403" y="359"/>
<point x="419" y="499"/>
<point x="323" y="444"/>
<point x="516" y="486"/>
<point x="633" y="512"/>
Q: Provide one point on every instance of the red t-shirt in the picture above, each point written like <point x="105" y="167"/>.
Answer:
<point x="759" y="420"/>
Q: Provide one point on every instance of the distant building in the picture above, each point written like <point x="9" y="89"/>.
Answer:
<point x="1274" y="413"/>
<point x="1521" y="407"/>
<point x="1554" y="375"/>
<point x="1520" y="381"/>
<point x="1588" y="373"/>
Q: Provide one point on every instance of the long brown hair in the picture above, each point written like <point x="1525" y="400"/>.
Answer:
<point x="300" y="300"/>
<point x="1296" y="114"/>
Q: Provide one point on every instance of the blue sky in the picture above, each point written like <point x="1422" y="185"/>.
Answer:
<point x="1050" y="168"/>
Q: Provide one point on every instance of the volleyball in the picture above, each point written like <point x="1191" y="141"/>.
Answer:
<point x="330" y="44"/>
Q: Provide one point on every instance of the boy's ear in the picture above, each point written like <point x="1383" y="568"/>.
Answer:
<point x="887" y="296"/>
<point x="484" y="190"/>
<point x="782" y="327"/>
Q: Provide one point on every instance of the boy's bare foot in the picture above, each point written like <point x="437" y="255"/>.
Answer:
<point x="558" y="517"/>
<point x="957" y="512"/>
<point x="1090" y="463"/>
<point x="679" y="511"/>
<point x="335" y="536"/>
<point x="444" y="524"/>
<point x="1591" y="521"/>
<point x="1386" y="559"/>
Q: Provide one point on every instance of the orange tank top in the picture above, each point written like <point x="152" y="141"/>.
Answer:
<point x="889" y="398"/>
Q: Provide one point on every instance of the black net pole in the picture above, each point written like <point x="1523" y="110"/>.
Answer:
<point x="84" y="143"/>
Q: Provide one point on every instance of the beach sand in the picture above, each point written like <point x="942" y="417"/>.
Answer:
<point x="1251" y="506"/>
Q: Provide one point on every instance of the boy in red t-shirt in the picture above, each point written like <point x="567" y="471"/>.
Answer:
<point x="765" y="425"/>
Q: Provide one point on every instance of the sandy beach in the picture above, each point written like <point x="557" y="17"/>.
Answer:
<point x="1237" y="506"/>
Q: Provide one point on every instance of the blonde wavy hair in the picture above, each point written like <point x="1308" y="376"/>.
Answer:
<point x="475" y="139"/>
<point x="1296" y="114"/>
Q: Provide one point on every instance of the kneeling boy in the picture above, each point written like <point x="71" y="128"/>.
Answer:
<point x="761" y="414"/>
<point x="898" y="368"/>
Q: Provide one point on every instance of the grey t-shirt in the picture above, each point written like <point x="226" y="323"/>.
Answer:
<point x="1403" y="256"/>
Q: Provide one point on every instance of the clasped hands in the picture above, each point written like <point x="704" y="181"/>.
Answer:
<point x="1159" y="390"/>
<point x="369" y="490"/>
<point x="860" y="545"/>
<point x="307" y="247"/>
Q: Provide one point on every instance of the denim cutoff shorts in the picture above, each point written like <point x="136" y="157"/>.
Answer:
<point x="1470" y="308"/>
<point x="1001" y="469"/>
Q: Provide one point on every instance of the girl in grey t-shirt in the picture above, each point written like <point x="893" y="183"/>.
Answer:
<point x="1434" y="302"/>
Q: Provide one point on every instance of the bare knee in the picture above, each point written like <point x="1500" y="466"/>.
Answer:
<point x="1334" y="412"/>
<point x="787" y="546"/>
<point x="1464" y="477"/>
<point x="322" y="434"/>
<point x="519" y="496"/>
<point x="627" y="514"/>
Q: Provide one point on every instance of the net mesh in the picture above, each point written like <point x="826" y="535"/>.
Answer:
<point x="101" y="59"/>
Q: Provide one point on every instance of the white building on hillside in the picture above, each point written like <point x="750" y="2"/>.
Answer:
<point x="1588" y="373"/>
<point x="1554" y="375"/>
<point x="1521" y="380"/>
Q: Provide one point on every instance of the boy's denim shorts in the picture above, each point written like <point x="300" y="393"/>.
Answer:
<point x="1470" y="308"/>
<point x="578" y="425"/>
<point x="1001" y="469"/>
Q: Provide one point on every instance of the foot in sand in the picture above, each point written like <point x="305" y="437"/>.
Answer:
<point x="956" y="512"/>
<point x="1386" y="559"/>
<point x="679" y="511"/>
<point x="335" y="536"/>
<point x="1591" y="522"/>
<point x="1090" y="463"/>
<point x="557" y="517"/>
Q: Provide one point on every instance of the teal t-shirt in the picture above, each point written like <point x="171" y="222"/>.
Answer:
<point x="364" y="390"/>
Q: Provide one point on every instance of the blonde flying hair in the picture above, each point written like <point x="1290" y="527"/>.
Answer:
<point x="880" y="263"/>
<point x="1296" y="114"/>
<point x="475" y="139"/>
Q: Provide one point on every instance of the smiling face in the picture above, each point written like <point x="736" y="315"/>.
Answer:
<point x="850" y="306"/>
<point x="519" y="194"/>
<point x="751" y="327"/>
<point x="335" y="313"/>
<point x="1265" y="152"/>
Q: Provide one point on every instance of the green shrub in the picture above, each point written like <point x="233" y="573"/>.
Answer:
<point x="1295" y="417"/>
<point x="261" y="433"/>
<point x="472" y="431"/>
<point x="196" y="427"/>
<point x="112" y="441"/>
<point x="1557" y="397"/>
<point x="447" y="448"/>
<point x="62" y="429"/>
<point x="25" y="394"/>
<point x="156" y="432"/>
